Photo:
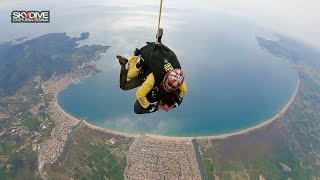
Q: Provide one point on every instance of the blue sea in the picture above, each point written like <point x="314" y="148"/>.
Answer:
<point x="232" y="82"/>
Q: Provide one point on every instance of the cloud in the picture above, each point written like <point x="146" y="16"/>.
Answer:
<point x="141" y="123"/>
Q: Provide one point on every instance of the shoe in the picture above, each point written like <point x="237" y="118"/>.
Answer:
<point x="159" y="34"/>
<point x="122" y="60"/>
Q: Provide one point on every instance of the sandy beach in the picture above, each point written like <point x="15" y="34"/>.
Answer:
<point x="55" y="101"/>
<point x="108" y="130"/>
<point x="221" y="136"/>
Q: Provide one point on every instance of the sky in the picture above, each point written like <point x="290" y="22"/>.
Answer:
<point x="297" y="18"/>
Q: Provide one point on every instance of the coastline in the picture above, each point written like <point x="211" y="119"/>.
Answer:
<point x="63" y="85"/>
<point x="258" y="126"/>
<point x="56" y="104"/>
<point x="243" y="131"/>
<point x="163" y="137"/>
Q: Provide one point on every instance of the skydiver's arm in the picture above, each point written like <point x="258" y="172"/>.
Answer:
<point x="145" y="88"/>
<point x="183" y="89"/>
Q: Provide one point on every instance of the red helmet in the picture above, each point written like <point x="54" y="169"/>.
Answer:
<point x="173" y="80"/>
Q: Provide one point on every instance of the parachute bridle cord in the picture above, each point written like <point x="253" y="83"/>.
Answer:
<point x="157" y="42"/>
<point x="159" y="20"/>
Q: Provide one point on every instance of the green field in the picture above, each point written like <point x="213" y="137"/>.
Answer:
<point x="32" y="123"/>
<point x="22" y="165"/>
<point x="92" y="155"/>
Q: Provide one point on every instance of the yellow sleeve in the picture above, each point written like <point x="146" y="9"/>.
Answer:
<point x="144" y="89"/>
<point x="183" y="89"/>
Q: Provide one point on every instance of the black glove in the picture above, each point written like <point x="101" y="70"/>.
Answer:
<point x="152" y="107"/>
<point x="176" y="104"/>
<point x="136" y="52"/>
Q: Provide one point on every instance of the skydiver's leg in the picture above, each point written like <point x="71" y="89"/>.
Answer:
<point x="133" y="71"/>
<point x="124" y="72"/>
<point x="138" y="109"/>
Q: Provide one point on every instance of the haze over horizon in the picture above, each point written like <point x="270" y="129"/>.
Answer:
<point x="299" y="19"/>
